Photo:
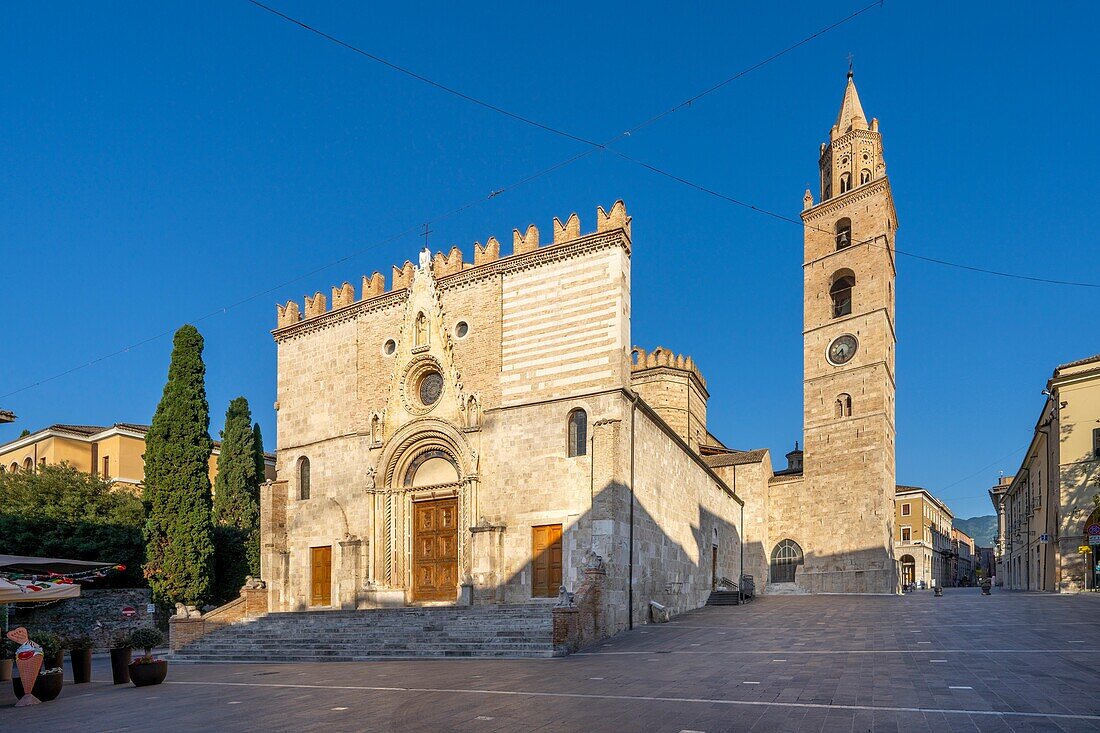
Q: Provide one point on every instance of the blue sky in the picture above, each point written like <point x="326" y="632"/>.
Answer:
<point x="162" y="161"/>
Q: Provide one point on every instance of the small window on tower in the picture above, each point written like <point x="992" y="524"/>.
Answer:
<point x="841" y="293"/>
<point x="843" y="405"/>
<point x="845" y="182"/>
<point x="864" y="176"/>
<point x="843" y="233"/>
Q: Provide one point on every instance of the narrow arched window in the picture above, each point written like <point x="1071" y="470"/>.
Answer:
<point x="845" y="182"/>
<point x="28" y="465"/>
<point x="578" y="433"/>
<point x="303" y="478"/>
<point x="843" y="405"/>
<point x="843" y="232"/>
<point x="864" y="176"/>
<point x="841" y="293"/>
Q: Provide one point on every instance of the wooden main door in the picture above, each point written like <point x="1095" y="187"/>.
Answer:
<point x="320" y="573"/>
<point x="435" y="550"/>
<point x="545" y="560"/>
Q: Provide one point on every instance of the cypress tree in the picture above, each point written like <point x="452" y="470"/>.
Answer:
<point x="258" y="448"/>
<point x="179" y="541"/>
<point x="237" y="487"/>
<point x="236" y="501"/>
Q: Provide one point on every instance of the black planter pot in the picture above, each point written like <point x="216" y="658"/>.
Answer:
<point x="143" y="674"/>
<point x="81" y="661"/>
<point x="46" y="688"/>
<point x="54" y="661"/>
<point x="120" y="665"/>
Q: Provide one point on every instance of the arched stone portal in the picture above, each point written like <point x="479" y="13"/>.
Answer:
<point x="786" y="556"/>
<point x="422" y="508"/>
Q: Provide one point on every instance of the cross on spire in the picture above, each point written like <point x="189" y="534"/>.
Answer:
<point x="851" y="58"/>
<point x="427" y="231"/>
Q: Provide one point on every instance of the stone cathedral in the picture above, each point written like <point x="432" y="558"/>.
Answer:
<point x="486" y="432"/>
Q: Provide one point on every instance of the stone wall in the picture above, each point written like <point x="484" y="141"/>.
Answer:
<point x="681" y="512"/>
<point x="97" y="613"/>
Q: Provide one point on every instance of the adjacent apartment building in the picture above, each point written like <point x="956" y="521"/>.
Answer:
<point x="112" y="451"/>
<point x="1046" y="512"/>
<point x="963" y="557"/>
<point x="922" y="536"/>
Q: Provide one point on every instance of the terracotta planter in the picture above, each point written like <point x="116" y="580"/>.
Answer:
<point x="46" y="688"/>
<point x="81" y="661"/>
<point x="5" y="669"/>
<point x="120" y="665"/>
<point x="143" y="674"/>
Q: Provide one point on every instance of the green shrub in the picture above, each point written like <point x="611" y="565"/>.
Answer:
<point x="78" y="641"/>
<point x="50" y="644"/>
<point x="146" y="639"/>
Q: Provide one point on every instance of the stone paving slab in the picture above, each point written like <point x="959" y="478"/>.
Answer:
<point x="805" y="663"/>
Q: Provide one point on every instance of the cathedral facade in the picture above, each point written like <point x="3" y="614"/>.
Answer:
<point x="483" y="432"/>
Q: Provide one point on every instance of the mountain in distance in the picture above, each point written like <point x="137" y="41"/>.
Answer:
<point x="982" y="529"/>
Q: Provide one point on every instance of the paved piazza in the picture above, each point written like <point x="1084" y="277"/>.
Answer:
<point x="820" y="663"/>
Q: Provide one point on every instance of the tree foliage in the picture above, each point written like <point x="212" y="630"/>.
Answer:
<point x="178" y="528"/>
<point x="236" y="501"/>
<point x="58" y="511"/>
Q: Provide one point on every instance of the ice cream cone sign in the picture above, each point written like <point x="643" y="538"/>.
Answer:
<point x="28" y="658"/>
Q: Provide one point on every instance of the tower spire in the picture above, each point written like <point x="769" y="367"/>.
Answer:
<point x="851" y="115"/>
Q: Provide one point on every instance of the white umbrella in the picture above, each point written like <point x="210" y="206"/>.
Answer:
<point x="28" y="591"/>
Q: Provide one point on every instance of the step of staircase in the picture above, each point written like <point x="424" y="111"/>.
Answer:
<point x="784" y="589"/>
<point x="724" y="598"/>
<point x="517" y="630"/>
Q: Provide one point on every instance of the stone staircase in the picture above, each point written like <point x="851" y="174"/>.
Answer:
<point x="724" y="598"/>
<point x="520" y="630"/>
<point x="784" y="589"/>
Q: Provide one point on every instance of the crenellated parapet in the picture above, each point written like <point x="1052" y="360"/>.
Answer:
<point x="315" y="306"/>
<point x="449" y="265"/>
<point x="373" y="286"/>
<point x="402" y="278"/>
<point x="452" y="262"/>
<point x="662" y="357"/>
<point x="672" y="385"/>
<point x="343" y="295"/>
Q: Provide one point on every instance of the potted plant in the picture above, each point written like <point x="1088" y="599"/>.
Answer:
<point x="7" y="658"/>
<point x="80" y="657"/>
<point x="147" y="669"/>
<point x="51" y="677"/>
<point x="53" y="656"/>
<point x="120" y="657"/>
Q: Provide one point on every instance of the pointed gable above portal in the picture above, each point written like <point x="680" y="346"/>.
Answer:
<point x="425" y="381"/>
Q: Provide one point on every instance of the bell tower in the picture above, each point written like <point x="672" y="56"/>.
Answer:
<point x="848" y="358"/>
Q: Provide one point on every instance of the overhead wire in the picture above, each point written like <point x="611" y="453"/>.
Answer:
<point x="593" y="147"/>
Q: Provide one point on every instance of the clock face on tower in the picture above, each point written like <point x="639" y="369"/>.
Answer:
<point x="842" y="349"/>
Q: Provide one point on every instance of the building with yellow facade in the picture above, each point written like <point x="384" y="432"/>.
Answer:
<point x="114" y="452"/>
<point x="1047" y="511"/>
<point x="922" y="536"/>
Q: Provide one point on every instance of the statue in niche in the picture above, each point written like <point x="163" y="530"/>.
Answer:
<point x="421" y="329"/>
<point x="425" y="258"/>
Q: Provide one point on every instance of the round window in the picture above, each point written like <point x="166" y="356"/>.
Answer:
<point x="389" y="347"/>
<point x="430" y="388"/>
<point x="461" y="329"/>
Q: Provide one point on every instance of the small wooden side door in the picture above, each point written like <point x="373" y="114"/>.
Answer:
<point x="545" y="560"/>
<point x="320" y="571"/>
